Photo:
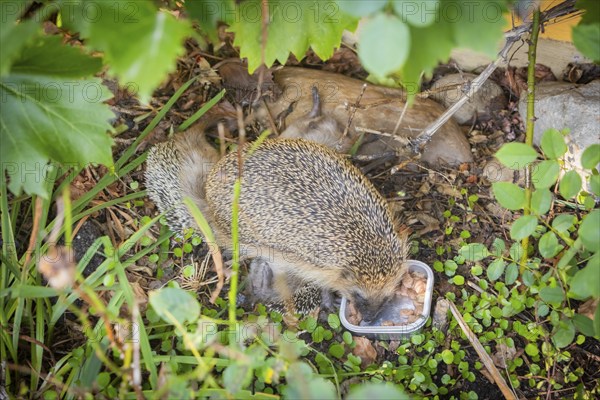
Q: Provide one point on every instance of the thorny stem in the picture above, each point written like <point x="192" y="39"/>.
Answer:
<point x="535" y="30"/>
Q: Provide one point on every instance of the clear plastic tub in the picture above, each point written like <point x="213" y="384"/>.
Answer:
<point x="399" y="331"/>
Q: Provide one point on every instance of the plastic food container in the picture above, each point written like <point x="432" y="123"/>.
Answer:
<point x="399" y="331"/>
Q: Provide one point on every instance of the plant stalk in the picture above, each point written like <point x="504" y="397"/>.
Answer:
<point x="532" y="53"/>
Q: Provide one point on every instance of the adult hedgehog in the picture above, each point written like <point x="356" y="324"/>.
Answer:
<point x="313" y="218"/>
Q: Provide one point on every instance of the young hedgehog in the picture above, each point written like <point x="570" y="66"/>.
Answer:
<point x="312" y="218"/>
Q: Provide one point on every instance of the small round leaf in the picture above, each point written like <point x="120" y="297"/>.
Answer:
<point x="516" y="155"/>
<point x="548" y="245"/>
<point x="563" y="222"/>
<point x="509" y="195"/>
<point x="496" y="269"/>
<point x="570" y="184"/>
<point x="541" y="200"/>
<point x="523" y="227"/>
<point x="378" y="55"/>
<point x="589" y="232"/>
<point x="591" y="156"/>
<point x="545" y="174"/>
<point x="553" y="144"/>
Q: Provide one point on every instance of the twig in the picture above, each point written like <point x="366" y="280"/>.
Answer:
<point x="470" y="88"/>
<point x="483" y="355"/>
<point x="402" y="140"/>
<point x="354" y="108"/>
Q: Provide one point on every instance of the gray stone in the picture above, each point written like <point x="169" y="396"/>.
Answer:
<point x="488" y="100"/>
<point x="563" y="105"/>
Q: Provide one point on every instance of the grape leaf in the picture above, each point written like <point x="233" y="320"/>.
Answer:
<point x="293" y="27"/>
<point x="14" y="37"/>
<point x="383" y="44"/>
<point x="49" y="114"/>
<point x="144" y="61"/>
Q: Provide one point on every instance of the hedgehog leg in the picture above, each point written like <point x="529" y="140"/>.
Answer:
<point x="281" y="292"/>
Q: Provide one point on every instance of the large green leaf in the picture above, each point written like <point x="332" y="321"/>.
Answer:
<point x="586" y="38"/>
<point x="428" y="47"/>
<point x="13" y="37"/>
<point x="417" y="12"/>
<point x="383" y="44"/>
<point x="591" y="156"/>
<point x="293" y="27"/>
<point x="49" y="114"/>
<point x="139" y="42"/>
<point x="478" y="25"/>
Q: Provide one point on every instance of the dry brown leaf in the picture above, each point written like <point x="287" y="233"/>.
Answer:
<point x="365" y="350"/>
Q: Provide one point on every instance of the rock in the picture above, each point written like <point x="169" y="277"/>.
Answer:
<point x="485" y="103"/>
<point x="562" y="105"/>
<point x="379" y="110"/>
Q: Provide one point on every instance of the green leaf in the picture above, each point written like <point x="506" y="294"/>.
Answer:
<point x="516" y="251"/>
<point x="586" y="282"/>
<point x="496" y="269"/>
<point x="474" y="252"/>
<point x="583" y="324"/>
<point x="586" y="38"/>
<point x="552" y="295"/>
<point x="563" y="222"/>
<point x="597" y="321"/>
<point x="293" y="27"/>
<point x="512" y="273"/>
<point x="237" y="376"/>
<point x="564" y="334"/>
<point x="589" y="232"/>
<point x="477" y="25"/>
<point x="372" y="390"/>
<point x="541" y="200"/>
<point x="532" y="350"/>
<point x="523" y="227"/>
<point x="362" y="8"/>
<point x="50" y="114"/>
<point x="175" y="303"/>
<point x="545" y="174"/>
<point x="591" y="156"/>
<point x="548" y="245"/>
<point x="14" y="37"/>
<point x="148" y="59"/>
<point x="428" y="47"/>
<point x="447" y="356"/>
<point x="378" y="54"/>
<point x="509" y="195"/>
<point x="570" y="184"/>
<point x="459" y="280"/>
<point x="516" y="155"/>
<point x="595" y="184"/>
<point x="417" y="13"/>
<point x="337" y="350"/>
<point x="209" y="13"/>
<point x="334" y="321"/>
<point x="303" y="383"/>
<point x="553" y="144"/>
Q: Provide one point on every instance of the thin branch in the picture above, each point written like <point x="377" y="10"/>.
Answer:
<point x="567" y="7"/>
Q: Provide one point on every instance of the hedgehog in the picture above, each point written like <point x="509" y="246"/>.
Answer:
<point x="313" y="220"/>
